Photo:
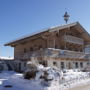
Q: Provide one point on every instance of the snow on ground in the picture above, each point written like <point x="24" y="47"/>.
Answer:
<point x="18" y="82"/>
<point x="6" y="58"/>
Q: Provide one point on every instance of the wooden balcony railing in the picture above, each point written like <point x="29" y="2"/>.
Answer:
<point x="72" y="39"/>
<point x="53" y="53"/>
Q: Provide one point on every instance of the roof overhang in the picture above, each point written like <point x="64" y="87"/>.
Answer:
<point x="52" y="29"/>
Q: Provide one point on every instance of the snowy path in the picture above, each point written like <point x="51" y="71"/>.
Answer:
<point x="82" y="87"/>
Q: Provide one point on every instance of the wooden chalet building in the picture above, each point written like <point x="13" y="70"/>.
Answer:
<point x="65" y="47"/>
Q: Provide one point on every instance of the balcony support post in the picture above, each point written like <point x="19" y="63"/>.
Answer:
<point x="65" y="40"/>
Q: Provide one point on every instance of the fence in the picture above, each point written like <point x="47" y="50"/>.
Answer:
<point x="73" y="81"/>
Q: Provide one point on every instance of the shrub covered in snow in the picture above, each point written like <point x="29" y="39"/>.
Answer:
<point x="30" y="74"/>
<point x="41" y="73"/>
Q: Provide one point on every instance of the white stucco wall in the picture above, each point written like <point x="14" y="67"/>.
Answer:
<point x="58" y="65"/>
<point x="66" y="63"/>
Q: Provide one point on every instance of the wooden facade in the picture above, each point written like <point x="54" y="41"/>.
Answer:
<point x="65" y="42"/>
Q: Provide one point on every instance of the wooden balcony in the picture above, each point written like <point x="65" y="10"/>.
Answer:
<point x="72" y="39"/>
<point x="72" y="54"/>
<point x="51" y="52"/>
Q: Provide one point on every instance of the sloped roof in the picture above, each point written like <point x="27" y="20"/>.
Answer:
<point x="52" y="29"/>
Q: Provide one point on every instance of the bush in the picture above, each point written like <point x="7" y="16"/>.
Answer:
<point x="30" y="74"/>
<point x="46" y="76"/>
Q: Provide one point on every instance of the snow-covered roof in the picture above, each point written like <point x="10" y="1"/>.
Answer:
<point x="26" y="36"/>
<point x="51" y="29"/>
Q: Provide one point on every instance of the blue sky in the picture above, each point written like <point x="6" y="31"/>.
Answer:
<point x="22" y="17"/>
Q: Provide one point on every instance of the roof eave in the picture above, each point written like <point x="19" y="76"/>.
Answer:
<point x="52" y="29"/>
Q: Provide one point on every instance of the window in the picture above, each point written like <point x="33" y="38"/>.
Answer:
<point x="62" y="47"/>
<point x="69" y="65"/>
<point x="25" y="50"/>
<point x="55" y="63"/>
<point x="62" y="65"/>
<point x="25" y="64"/>
<point x="57" y="34"/>
<point x="40" y="47"/>
<point x="56" y="46"/>
<point x="35" y="47"/>
<point x="81" y="64"/>
<point x="31" y="49"/>
<point x="19" y="66"/>
<point x="88" y="63"/>
<point x="76" y="64"/>
<point x="43" y="63"/>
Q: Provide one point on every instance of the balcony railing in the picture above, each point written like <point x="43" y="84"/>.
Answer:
<point x="52" y="53"/>
<point x="73" y="39"/>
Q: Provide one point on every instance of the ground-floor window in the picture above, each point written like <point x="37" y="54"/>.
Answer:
<point x="43" y="63"/>
<point x="76" y="64"/>
<point x="25" y="63"/>
<point x="62" y="65"/>
<point x="19" y="66"/>
<point x="69" y="65"/>
<point x="88" y="63"/>
<point x="55" y="63"/>
<point x="81" y="64"/>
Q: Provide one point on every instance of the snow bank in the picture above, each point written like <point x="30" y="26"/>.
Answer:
<point x="17" y="81"/>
